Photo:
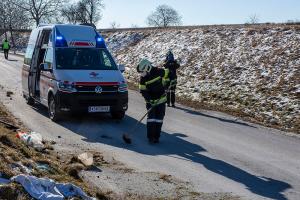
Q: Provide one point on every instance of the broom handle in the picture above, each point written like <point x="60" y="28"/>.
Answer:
<point x="148" y="111"/>
<point x="134" y="127"/>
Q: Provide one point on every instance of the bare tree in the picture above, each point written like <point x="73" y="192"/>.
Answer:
<point x="93" y="10"/>
<point x="70" y="13"/>
<point x="114" y="25"/>
<point x="3" y="19"/>
<point x="164" y="16"/>
<point x="134" y="26"/>
<point x="84" y="12"/>
<point x="12" y="18"/>
<point x="253" y="19"/>
<point x="40" y="10"/>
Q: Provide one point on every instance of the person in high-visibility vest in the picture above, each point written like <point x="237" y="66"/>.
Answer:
<point x="153" y="84"/>
<point x="5" y="48"/>
<point x="172" y="65"/>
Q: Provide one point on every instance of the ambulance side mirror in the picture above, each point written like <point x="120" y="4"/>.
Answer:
<point x="122" y="68"/>
<point x="45" y="67"/>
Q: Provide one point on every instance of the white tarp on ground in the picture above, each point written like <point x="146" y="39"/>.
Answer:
<point x="47" y="189"/>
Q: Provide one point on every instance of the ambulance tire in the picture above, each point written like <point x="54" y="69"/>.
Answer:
<point x="54" y="113"/>
<point x="29" y="100"/>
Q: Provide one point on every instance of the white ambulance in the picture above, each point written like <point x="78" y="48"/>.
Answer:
<point x="68" y="68"/>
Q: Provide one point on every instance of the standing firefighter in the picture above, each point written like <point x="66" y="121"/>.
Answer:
<point x="172" y="65"/>
<point x="5" y="48"/>
<point x="153" y="85"/>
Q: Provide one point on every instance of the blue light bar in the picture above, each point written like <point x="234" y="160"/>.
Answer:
<point x="60" y="41"/>
<point x="100" y="43"/>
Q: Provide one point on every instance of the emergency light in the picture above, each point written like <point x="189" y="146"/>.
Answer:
<point x="100" y="43"/>
<point x="60" y="41"/>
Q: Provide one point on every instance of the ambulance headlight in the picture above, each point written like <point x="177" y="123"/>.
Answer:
<point x="123" y="87"/>
<point x="66" y="86"/>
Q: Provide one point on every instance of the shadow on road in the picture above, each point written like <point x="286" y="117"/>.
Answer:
<point x="12" y="60"/>
<point x="193" y="112"/>
<point x="110" y="133"/>
<point x="102" y="129"/>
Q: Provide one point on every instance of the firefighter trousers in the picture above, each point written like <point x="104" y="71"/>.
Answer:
<point x="6" y="53"/>
<point x="155" y="120"/>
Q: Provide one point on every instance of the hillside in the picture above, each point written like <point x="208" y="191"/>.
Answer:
<point x="251" y="72"/>
<point x="248" y="71"/>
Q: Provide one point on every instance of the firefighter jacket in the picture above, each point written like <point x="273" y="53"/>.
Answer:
<point x="172" y="66"/>
<point x="153" y="85"/>
<point x="5" y="45"/>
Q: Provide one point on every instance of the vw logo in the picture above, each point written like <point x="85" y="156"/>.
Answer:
<point x="98" y="90"/>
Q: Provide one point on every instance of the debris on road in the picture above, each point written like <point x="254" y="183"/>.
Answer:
<point x="32" y="139"/>
<point x="46" y="189"/>
<point x="43" y="166"/>
<point x="9" y="93"/>
<point x="166" y="178"/>
<point x="18" y="167"/>
<point x="86" y="159"/>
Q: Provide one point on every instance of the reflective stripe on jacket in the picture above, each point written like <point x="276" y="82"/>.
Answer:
<point x="166" y="78"/>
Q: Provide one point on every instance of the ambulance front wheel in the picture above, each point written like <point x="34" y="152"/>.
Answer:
<point x="29" y="100"/>
<point x="53" y="109"/>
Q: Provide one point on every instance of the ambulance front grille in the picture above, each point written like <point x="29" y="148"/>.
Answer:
<point x="91" y="89"/>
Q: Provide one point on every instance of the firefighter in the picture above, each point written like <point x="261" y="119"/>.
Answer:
<point x="153" y="83"/>
<point x="172" y="65"/>
<point x="5" y="48"/>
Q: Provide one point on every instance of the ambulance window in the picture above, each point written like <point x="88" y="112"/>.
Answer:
<point x="106" y="60"/>
<point x="49" y="57"/>
<point x="28" y="55"/>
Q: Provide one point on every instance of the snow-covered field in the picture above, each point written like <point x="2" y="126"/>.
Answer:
<point x="254" y="71"/>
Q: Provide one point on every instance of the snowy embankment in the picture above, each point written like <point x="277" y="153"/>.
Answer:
<point x="248" y="71"/>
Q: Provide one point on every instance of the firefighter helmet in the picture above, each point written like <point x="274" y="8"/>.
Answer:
<point x="144" y="66"/>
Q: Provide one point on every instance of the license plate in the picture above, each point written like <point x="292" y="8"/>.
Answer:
<point x="97" y="109"/>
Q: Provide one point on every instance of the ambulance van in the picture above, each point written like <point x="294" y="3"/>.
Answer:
<point x="68" y="69"/>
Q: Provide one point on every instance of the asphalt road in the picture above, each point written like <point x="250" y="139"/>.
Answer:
<point x="213" y="151"/>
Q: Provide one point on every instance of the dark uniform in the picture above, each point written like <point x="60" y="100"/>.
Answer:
<point x="5" y="47"/>
<point x="153" y="88"/>
<point x="172" y="66"/>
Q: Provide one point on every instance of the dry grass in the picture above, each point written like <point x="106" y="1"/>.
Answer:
<point x="12" y="150"/>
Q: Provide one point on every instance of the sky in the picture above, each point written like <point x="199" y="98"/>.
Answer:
<point x="129" y="13"/>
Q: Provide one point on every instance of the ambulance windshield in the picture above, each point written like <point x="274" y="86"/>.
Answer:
<point x="84" y="59"/>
